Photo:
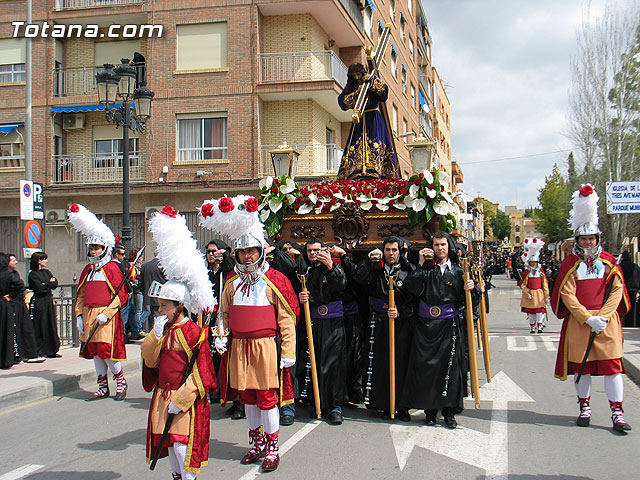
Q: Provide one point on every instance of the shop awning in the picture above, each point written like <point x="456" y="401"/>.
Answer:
<point x="9" y="127"/>
<point x="77" y="108"/>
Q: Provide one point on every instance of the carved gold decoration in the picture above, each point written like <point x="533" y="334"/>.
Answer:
<point x="395" y="229"/>
<point x="300" y="232"/>
<point x="350" y="226"/>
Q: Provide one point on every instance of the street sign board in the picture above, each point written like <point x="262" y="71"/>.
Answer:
<point x="38" y="201"/>
<point x="28" y="252"/>
<point x="32" y="234"/>
<point x="623" y="197"/>
<point x="26" y="200"/>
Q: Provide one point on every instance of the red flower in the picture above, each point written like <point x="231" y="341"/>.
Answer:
<point x="75" y="208"/>
<point x="403" y="191"/>
<point x="296" y="205"/>
<point x="421" y="175"/>
<point x="207" y="210"/>
<point x="274" y="189"/>
<point x="169" y="211"/>
<point x="225" y="204"/>
<point x="251" y="204"/>
<point x="391" y="203"/>
<point x="586" y="190"/>
<point x="442" y="188"/>
<point x="358" y="202"/>
<point x="416" y="181"/>
<point x="535" y="240"/>
<point x="276" y="181"/>
<point x="526" y="240"/>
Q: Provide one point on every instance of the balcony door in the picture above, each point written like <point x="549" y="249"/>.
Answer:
<point x="108" y="153"/>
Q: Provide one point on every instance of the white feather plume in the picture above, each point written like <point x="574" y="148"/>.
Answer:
<point x="90" y="226"/>
<point x="585" y="209"/>
<point x="532" y="247"/>
<point x="181" y="260"/>
<point x="234" y="223"/>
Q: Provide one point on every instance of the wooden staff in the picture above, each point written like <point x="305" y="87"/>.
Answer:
<point x="471" y="339"/>
<point x="486" y="349"/>
<point x="312" y="353"/>
<point x="391" y="279"/>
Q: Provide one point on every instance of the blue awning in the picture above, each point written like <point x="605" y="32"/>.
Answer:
<point x="380" y="25"/>
<point x="372" y="5"/>
<point x="404" y="69"/>
<point x="402" y="19"/>
<point x="9" y="127"/>
<point x="393" y="49"/>
<point x="77" y="108"/>
<point x="422" y="99"/>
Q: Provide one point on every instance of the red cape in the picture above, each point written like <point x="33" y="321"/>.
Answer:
<point x="284" y="290"/>
<point x="117" y="350"/>
<point x="198" y="450"/>
<point x="569" y="265"/>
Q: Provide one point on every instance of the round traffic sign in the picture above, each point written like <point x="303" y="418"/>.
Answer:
<point x="32" y="234"/>
<point x="26" y="190"/>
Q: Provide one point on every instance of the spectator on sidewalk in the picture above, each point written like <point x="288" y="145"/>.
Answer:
<point x="631" y="273"/>
<point x="41" y="309"/>
<point x="134" y="318"/>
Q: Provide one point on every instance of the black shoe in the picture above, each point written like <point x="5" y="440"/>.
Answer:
<point x="335" y="418"/>
<point x="286" y="420"/>
<point x="96" y="397"/>
<point x="430" y="417"/>
<point x="583" y="421"/>
<point x="121" y="396"/>
<point x="403" y="415"/>
<point x="238" y="413"/>
<point x="55" y="355"/>
<point x="450" y="421"/>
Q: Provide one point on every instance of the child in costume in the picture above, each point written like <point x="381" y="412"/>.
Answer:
<point x="534" y="285"/>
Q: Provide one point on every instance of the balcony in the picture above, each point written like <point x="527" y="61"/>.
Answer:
<point x="75" y="4"/>
<point x="96" y="168"/>
<point x="74" y="81"/>
<point x="11" y="161"/>
<point x="316" y="160"/>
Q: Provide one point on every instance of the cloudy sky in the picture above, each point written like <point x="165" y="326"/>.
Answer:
<point x="506" y="68"/>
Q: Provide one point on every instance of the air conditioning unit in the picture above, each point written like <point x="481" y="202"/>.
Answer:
<point x="148" y="211"/>
<point x="74" y="121"/>
<point x="55" y="217"/>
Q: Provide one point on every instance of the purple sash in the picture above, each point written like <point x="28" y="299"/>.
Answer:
<point x="380" y="305"/>
<point x="330" y="310"/>
<point x="351" y="308"/>
<point x="433" y="312"/>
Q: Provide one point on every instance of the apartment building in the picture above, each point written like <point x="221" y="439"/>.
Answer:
<point x="232" y="80"/>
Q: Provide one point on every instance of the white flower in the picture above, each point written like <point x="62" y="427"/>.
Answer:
<point x="275" y="205"/>
<point x="446" y="196"/>
<point x="366" y="205"/>
<point x="428" y="176"/>
<point x="431" y="192"/>
<point x="441" y="208"/>
<point x="290" y="198"/>
<point x="319" y="209"/>
<point x="363" y="198"/>
<point x="384" y="201"/>
<point x="444" y="178"/>
<point x="264" y="215"/>
<point x="314" y="198"/>
<point x="382" y="206"/>
<point x="304" y="209"/>
<point x="408" y="201"/>
<point x="288" y="187"/>
<point x="400" y="206"/>
<point x="266" y="182"/>
<point x="413" y="190"/>
<point x="418" y="204"/>
<point x="333" y="207"/>
<point x="339" y="195"/>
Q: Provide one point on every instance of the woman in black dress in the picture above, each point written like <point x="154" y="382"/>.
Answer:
<point x="17" y="333"/>
<point x="43" y="313"/>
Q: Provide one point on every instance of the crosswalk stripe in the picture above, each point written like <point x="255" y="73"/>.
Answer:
<point x="21" y="472"/>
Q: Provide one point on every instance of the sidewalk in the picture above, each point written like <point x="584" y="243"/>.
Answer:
<point x="30" y="382"/>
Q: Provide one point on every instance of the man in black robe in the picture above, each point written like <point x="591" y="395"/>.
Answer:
<point x="437" y="370"/>
<point x="373" y="273"/>
<point x="326" y="282"/>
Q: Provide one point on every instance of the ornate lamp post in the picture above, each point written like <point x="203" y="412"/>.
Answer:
<point x="284" y="160"/>
<point x="421" y="151"/>
<point x="120" y="83"/>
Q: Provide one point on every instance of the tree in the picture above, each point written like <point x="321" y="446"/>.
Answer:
<point x="552" y="217"/>
<point x="501" y="225"/>
<point x="573" y="179"/>
<point x="603" y="103"/>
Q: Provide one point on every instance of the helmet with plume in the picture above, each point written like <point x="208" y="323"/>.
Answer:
<point x="95" y="231"/>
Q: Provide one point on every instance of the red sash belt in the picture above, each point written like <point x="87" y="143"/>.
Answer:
<point x="96" y="294"/>
<point x="249" y="321"/>
<point x="590" y="292"/>
<point x="534" y="283"/>
<point x="173" y="364"/>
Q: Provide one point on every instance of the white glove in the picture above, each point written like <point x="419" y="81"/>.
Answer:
<point x="80" y="324"/>
<point x="173" y="408"/>
<point x="102" y="318"/>
<point x="158" y="325"/>
<point x="287" y="362"/>
<point x="597" y="323"/>
<point x="221" y="344"/>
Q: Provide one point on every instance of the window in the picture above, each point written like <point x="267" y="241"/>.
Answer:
<point x="404" y="79"/>
<point x="413" y="96"/>
<point x="10" y="240"/>
<point x="114" y="222"/>
<point x="113" y="52"/>
<point x="394" y="61"/>
<point x="410" y="6"/>
<point x="368" y="18"/>
<point x="380" y="28"/>
<point x="517" y="228"/>
<point x="405" y="128"/>
<point x="394" y="119"/>
<point x="11" y="148"/>
<point x="202" y="46"/>
<point x="108" y="153"/>
<point x="517" y="238"/>
<point x="392" y="8"/>
<point x="12" y="60"/>
<point x="202" y="139"/>
<point x="403" y="26"/>
<point x="411" y="54"/>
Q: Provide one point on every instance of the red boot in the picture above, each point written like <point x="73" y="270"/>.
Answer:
<point x="272" y="460"/>
<point x="259" y="441"/>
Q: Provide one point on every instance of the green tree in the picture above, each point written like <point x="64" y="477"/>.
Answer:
<point x="552" y="216"/>
<point x="501" y="225"/>
<point x="573" y="179"/>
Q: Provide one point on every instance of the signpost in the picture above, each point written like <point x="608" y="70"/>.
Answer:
<point x="623" y="197"/>
<point x="31" y="210"/>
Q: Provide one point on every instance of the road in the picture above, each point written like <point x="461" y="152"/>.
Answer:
<point x="525" y="429"/>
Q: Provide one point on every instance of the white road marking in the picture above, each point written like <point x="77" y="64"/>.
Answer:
<point x="21" y="472"/>
<point x="530" y="344"/>
<point x="284" y="448"/>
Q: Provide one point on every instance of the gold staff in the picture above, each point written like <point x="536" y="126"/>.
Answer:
<point x="391" y="280"/>
<point x="312" y="353"/>
<point x="486" y="348"/>
<point x="471" y="339"/>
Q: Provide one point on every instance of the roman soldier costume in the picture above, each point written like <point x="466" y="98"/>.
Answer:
<point x="534" y="285"/>
<point x="590" y="296"/>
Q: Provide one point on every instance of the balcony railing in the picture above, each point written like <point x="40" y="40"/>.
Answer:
<point x="71" y="4"/>
<point x="97" y="168"/>
<point x="74" y="81"/>
<point x="302" y="67"/>
<point x="353" y="8"/>
<point x="315" y="159"/>
<point x="14" y="161"/>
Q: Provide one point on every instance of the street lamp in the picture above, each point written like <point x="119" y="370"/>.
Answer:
<point x="284" y="160"/>
<point x="421" y="151"/>
<point x="120" y="82"/>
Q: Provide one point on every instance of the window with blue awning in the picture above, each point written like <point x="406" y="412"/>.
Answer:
<point x="371" y="5"/>
<point x="81" y="108"/>
<point x="9" y="127"/>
